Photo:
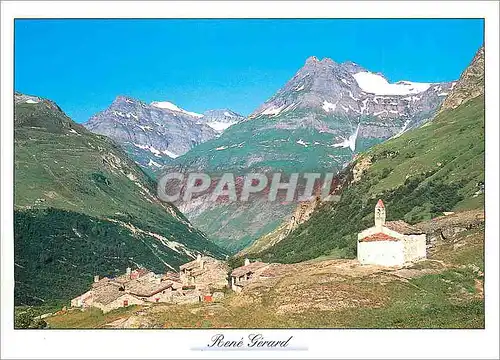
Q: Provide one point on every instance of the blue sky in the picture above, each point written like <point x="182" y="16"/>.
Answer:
<point x="205" y="64"/>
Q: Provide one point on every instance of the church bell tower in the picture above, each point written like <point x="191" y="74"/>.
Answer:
<point x="379" y="214"/>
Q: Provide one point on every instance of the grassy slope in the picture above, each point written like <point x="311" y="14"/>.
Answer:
<point x="419" y="175"/>
<point x="68" y="183"/>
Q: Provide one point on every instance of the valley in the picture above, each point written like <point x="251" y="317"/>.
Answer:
<point x="401" y="142"/>
<point x="319" y="121"/>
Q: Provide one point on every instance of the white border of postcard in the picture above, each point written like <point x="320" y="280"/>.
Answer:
<point x="126" y="344"/>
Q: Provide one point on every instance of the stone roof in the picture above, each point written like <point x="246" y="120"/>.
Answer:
<point x="402" y="227"/>
<point x="195" y="264"/>
<point x="252" y="267"/>
<point x="378" y="237"/>
<point x="172" y="276"/>
<point x="190" y="265"/>
<point x="141" y="272"/>
<point x="122" y="278"/>
<point x="107" y="294"/>
<point x="197" y="272"/>
<point x="101" y="282"/>
<point x="138" y="273"/>
<point x="146" y="288"/>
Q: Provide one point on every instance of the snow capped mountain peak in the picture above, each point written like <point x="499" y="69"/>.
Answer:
<point x="324" y="89"/>
<point x="27" y="99"/>
<point x="378" y="85"/>
<point x="170" y="106"/>
<point x="146" y="132"/>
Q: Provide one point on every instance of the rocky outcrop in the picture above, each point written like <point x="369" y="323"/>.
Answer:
<point x="470" y="84"/>
<point x="448" y="226"/>
<point x="360" y="167"/>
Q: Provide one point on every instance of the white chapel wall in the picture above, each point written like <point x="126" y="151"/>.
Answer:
<point x="385" y="253"/>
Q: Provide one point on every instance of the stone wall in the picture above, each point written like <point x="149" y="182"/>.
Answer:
<point x="213" y="275"/>
<point x="83" y="300"/>
<point x="163" y="296"/>
<point x="118" y="303"/>
<point x="415" y="247"/>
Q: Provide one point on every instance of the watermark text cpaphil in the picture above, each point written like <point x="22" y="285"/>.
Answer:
<point x="178" y="187"/>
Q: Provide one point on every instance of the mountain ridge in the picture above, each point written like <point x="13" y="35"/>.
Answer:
<point x="154" y="134"/>
<point x="82" y="208"/>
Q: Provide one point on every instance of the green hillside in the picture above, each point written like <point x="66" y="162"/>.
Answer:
<point x="256" y="146"/>
<point x="438" y="167"/>
<point x="83" y="208"/>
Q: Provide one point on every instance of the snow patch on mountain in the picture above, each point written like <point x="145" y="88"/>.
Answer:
<point x="364" y="106"/>
<point x="170" y="154"/>
<point x="378" y="85"/>
<point x="301" y="142"/>
<point x="350" y="142"/>
<point x="273" y="110"/>
<point x="407" y="122"/>
<point x="327" y="106"/>
<point x="220" y="126"/>
<point x="155" y="151"/>
<point x="352" y="96"/>
<point x="153" y="163"/>
<point x="170" y="106"/>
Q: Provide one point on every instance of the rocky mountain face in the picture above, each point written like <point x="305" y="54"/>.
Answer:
<point x="470" y="84"/>
<point x="326" y="114"/>
<point x="83" y="208"/>
<point x="346" y="90"/>
<point x="152" y="134"/>
<point x="221" y="119"/>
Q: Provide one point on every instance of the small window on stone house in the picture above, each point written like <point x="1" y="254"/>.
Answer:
<point x="125" y="302"/>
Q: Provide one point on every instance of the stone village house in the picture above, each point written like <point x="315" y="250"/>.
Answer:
<point x="204" y="273"/>
<point x="133" y="288"/>
<point x="142" y="286"/>
<point x="391" y="243"/>
<point x="247" y="273"/>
